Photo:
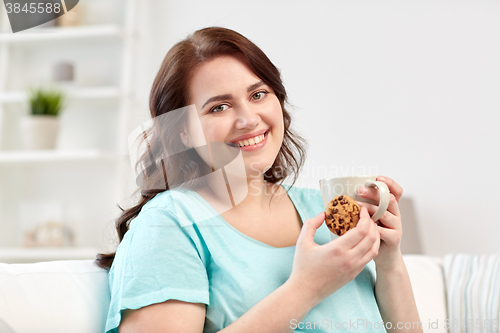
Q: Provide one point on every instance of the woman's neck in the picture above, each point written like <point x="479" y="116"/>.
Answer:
<point x="252" y="194"/>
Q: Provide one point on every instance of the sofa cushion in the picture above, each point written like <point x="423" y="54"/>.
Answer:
<point x="73" y="295"/>
<point x="56" y="296"/>
<point x="473" y="289"/>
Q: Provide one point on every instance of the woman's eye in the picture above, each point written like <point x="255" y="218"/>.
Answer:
<point x="259" y="95"/>
<point x="219" y="108"/>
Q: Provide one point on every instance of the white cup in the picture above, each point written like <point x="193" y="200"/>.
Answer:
<point x="332" y="187"/>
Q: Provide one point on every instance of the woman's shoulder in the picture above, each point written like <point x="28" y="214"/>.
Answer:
<point x="170" y="199"/>
<point x="185" y="207"/>
<point x="165" y="215"/>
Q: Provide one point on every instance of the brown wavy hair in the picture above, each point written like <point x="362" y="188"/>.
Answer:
<point x="170" y="92"/>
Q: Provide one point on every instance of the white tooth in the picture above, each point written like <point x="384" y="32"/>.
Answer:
<point x="257" y="139"/>
<point x="251" y="141"/>
<point x="241" y="144"/>
<point x="261" y="137"/>
<point x="245" y="142"/>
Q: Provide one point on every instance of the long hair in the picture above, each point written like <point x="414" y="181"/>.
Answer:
<point x="170" y="91"/>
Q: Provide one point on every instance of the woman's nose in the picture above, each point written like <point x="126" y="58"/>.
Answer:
<point x="247" y="117"/>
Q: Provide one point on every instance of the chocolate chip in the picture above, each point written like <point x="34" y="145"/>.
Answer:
<point x="341" y="220"/>
<point x="335" y="211"/>
<point x="341" y="197"/>
<point x="334" y="203"/>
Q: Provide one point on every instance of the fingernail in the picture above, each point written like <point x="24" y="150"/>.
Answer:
<point x="361" y="190"/>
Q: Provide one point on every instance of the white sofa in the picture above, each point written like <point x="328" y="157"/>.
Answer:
<point x="73" y="295"/>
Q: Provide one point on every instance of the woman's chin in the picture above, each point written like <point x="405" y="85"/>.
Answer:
<point x="256" y="170"/>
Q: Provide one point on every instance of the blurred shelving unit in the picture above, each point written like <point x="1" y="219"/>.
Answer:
<point x="63" y="33"/>
<point x="85" y="173"/>
<point x="81" y="93"/>
<point x="56" y="156"/>
<point x="29" y="255"/>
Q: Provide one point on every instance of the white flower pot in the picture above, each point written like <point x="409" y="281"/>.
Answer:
<point x="39" y="131"/>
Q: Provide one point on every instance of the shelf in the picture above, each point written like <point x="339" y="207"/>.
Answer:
<point x="101" y="107"/>
<point x="30" y="255"/>
<point x="28" y="156"/>
<point x="66" y="33"/>
<point x="76" y="93"/>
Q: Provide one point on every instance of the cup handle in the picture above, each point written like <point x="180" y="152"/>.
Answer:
<point x="383" y="203"/>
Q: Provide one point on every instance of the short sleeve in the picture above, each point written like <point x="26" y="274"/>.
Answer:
<point x="157" y="260"/>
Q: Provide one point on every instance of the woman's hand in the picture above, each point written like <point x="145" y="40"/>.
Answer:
<point x="390" y="227"/>
<point x="323" y="269"/>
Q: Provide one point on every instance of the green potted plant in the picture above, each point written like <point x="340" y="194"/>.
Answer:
<point x="41" y="126"/>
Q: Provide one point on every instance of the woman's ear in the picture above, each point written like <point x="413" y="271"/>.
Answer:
<point x="184" y="138"/>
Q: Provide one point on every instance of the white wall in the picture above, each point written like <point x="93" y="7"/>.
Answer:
<point x="407" y="89"/>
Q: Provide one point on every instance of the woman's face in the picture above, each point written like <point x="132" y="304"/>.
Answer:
<point x="234" y="105"/>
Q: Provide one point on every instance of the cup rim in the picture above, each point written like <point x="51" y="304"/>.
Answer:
<point x="346" y="177"/>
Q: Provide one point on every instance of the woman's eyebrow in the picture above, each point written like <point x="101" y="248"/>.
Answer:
<point x="217" y="98"/>
<point x="229" y="96"/>
<point x="255" y="86"/>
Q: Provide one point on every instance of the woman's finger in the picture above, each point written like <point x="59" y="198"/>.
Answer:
<point x="355" y="235"/>
<point x="369" y="207"/>
<point x="388" y="220"/>
<point x="393" y="205"/>
<point x="309" y="228"/>
<point x="372" y="252"/>
<point x="372" y="194"/>
<point x="369" y="193"/>
<point x="390" y="236"/>
<point x="366" y="243"/>
<point x="394" y="187"/>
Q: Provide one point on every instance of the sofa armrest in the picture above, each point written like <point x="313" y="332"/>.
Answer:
<point x="427" y="280"/>
<point x="56" y="296"/>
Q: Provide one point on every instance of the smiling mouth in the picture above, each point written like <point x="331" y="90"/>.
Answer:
<point x="236" y="145"/>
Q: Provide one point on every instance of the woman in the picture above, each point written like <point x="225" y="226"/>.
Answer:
<point x="266" y="264"/>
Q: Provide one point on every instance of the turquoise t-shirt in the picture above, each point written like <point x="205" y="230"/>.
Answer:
<point x="179" y="247"/>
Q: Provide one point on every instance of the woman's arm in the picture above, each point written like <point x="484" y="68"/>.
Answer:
<point x="272" y="314"/>
<point x="393" y="288"/>
<point x="395" y="299"/>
